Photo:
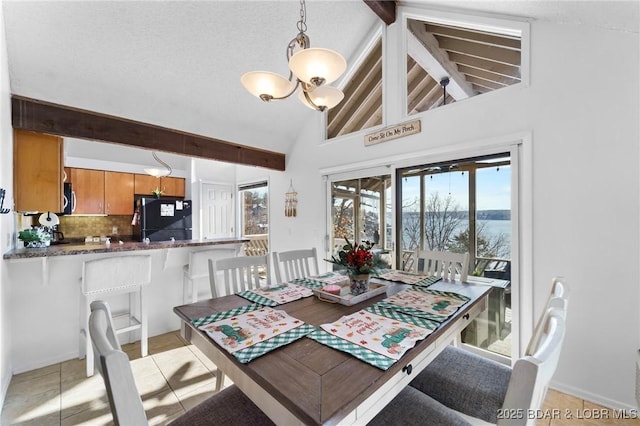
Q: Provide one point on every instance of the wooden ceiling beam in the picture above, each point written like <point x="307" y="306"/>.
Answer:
<point x="44" y="117"/>
<point x="386" y="10"/>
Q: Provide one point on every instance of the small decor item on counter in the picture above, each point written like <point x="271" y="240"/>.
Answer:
<point x="332" y="289"/>
<point x="291" y="202"/>
<point x="157" y="192"/>
<point x="359" y="262"/>
<point x="36" y="237"/>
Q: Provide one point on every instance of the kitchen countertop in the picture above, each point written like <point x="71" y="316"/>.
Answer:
<point x="91" y="248"/>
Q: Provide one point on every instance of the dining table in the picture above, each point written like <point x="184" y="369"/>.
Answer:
<point x="306" y="382"/>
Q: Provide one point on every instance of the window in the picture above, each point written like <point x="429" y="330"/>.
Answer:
<point x="441" y="206"/>
<point x="254" y="210"/>
<point x="361" y="211"/>
<point x="468" y="59"/>
<point x="361" y="107"/>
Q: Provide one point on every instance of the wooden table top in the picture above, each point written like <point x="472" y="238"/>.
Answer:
<point x="316" y="383"/>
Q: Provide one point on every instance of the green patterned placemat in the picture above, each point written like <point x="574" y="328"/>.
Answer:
<point x="309" y="283"/>
<point x="397" y="315"/>
<point x="421" y="314"/>
<point x="259" y="349"/>
<point x="225" y="314"/>
<point x="249" y="295"/>
<point x="363" y="354"/>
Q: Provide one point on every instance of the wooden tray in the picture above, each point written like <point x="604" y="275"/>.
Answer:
<point x="349" y="299"/>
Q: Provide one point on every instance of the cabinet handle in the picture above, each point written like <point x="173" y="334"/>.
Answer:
<point x="73" y="201"/>
<point x="466" y="316"/>
<point x="407" y="369"/>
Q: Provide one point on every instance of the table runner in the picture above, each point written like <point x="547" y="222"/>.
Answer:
<point x="285" y="293"/>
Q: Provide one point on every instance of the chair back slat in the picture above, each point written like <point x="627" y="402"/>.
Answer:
<point x="444" y="264"/>
<point x="295" y="264"/>
<point x="238" y="274"/>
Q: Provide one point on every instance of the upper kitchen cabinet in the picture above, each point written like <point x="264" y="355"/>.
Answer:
<point x="37" y="172"/>
<point x="170" y="186"/>
<point x="118" y="193"/>
<point x="88" y="191"/>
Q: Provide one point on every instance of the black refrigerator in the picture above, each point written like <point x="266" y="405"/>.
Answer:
<point x="161" y="219"/>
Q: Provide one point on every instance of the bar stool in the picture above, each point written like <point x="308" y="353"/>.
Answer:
<point x="198" y="269"/>
<point x="111" y="276"/>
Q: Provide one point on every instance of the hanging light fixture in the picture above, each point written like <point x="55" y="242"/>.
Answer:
<point x="310" y="68"/>
<point x="444" y="83"/>
<point x="159" y="172"/>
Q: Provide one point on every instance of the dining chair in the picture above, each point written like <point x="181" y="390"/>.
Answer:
<point x="111" y="276"/>
<point x="471" y="387"/>
<point x="238" y="274"/>
<point x="444" y="264"/>
<point x="227" y="407"/>
<point x="296" y="264"/>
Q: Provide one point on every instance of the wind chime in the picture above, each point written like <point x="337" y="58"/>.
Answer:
<point x="291" y="202"/>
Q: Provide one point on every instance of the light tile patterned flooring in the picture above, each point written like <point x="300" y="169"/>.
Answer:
<point x="175" y="377"/>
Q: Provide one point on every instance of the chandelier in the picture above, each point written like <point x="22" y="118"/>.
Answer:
<point x="166" y="171"/>
<point x="310" y="68"/>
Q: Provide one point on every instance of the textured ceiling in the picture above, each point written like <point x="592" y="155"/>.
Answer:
<point x="178" y="63"/>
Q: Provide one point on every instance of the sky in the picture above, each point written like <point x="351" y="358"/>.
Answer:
<point x="493" y="188"/>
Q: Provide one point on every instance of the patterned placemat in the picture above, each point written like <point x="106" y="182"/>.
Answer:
<point x="249" y="295"/>
<point x="259" y="349"/>
<point x="363" y="354"/>
<point x="397" y="315"/>
<point x="428" y="312"/>
<point x="308" y="282"/>
<point x="225" y="314"/>
<point x="409" y="278"/>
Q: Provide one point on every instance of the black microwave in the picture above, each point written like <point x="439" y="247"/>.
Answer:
<point x="67" y="200"/>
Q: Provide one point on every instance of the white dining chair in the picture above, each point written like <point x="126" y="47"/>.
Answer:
<point x="471" y="387"/>
<point x="234" y="274"/>
<point x="111" y="276"/>
<point x="444" y="264"/>
<point x="227" y="407"/>
<point x="295" y="264"/>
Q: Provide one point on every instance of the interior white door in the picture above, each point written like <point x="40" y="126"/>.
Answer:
<point x="218" y="211"/>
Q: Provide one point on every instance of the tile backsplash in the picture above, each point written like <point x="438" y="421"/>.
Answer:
<point x="79" y="227"/>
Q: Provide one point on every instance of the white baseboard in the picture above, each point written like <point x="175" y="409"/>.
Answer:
<point x="591" y="397"/>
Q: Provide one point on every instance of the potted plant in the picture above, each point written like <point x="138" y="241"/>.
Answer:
<point x="34" y="237"/>
<point x="359" y="262"/>
<point x="157" y="192"/>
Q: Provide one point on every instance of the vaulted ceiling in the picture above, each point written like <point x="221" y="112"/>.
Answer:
<point x="178" y="64"/>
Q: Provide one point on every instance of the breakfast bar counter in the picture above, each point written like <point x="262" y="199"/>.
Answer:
<point x="93" y="248"/>
<point x="43" y="288"/>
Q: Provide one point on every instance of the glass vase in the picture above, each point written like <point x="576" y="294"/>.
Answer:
<point x="359" y="284"/>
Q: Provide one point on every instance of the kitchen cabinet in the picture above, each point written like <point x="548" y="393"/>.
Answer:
<point x="102" y="192"/>
<point x="118" y="193"/>
<point x="37" y="172"/>
<point x="170" y="186"/>
<point x="88" y="191"/>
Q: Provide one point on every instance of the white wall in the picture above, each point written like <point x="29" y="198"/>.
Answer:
<point x="582" y="111"/>
<point x="6" y="220"/>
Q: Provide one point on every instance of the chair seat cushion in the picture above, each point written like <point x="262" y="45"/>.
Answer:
<point x="412" y="407"/>
<point x="465" y="382"/>
<point x="228" y="407"/>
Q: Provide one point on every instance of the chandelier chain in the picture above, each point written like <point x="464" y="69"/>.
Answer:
<point x="302" y="23"/>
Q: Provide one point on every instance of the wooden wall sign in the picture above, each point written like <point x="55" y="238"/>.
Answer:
<point x="394" y="132"/>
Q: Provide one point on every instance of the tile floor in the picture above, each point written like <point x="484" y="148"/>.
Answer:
<point x="175" y="377"/>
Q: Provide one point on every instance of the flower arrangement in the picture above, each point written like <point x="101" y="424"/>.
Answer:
<point x="356" y="258"/>
<point x="35" y="237"/>
<point x="157" y="192"/>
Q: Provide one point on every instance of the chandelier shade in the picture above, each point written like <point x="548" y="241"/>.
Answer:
<point x="311" y="68"/>
<point x="315" y="65"/>
<point x="327" y="96"/>
<point x="267" y="84"/>
<point x="153" y="171"/>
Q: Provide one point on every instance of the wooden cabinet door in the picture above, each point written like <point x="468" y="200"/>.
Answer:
<point x="88" y="189"/>
<point x="145" y="184"/>
<point x="118" y="193"/>
<point x="173" y="187"/>
<point x="37" y="172"/>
